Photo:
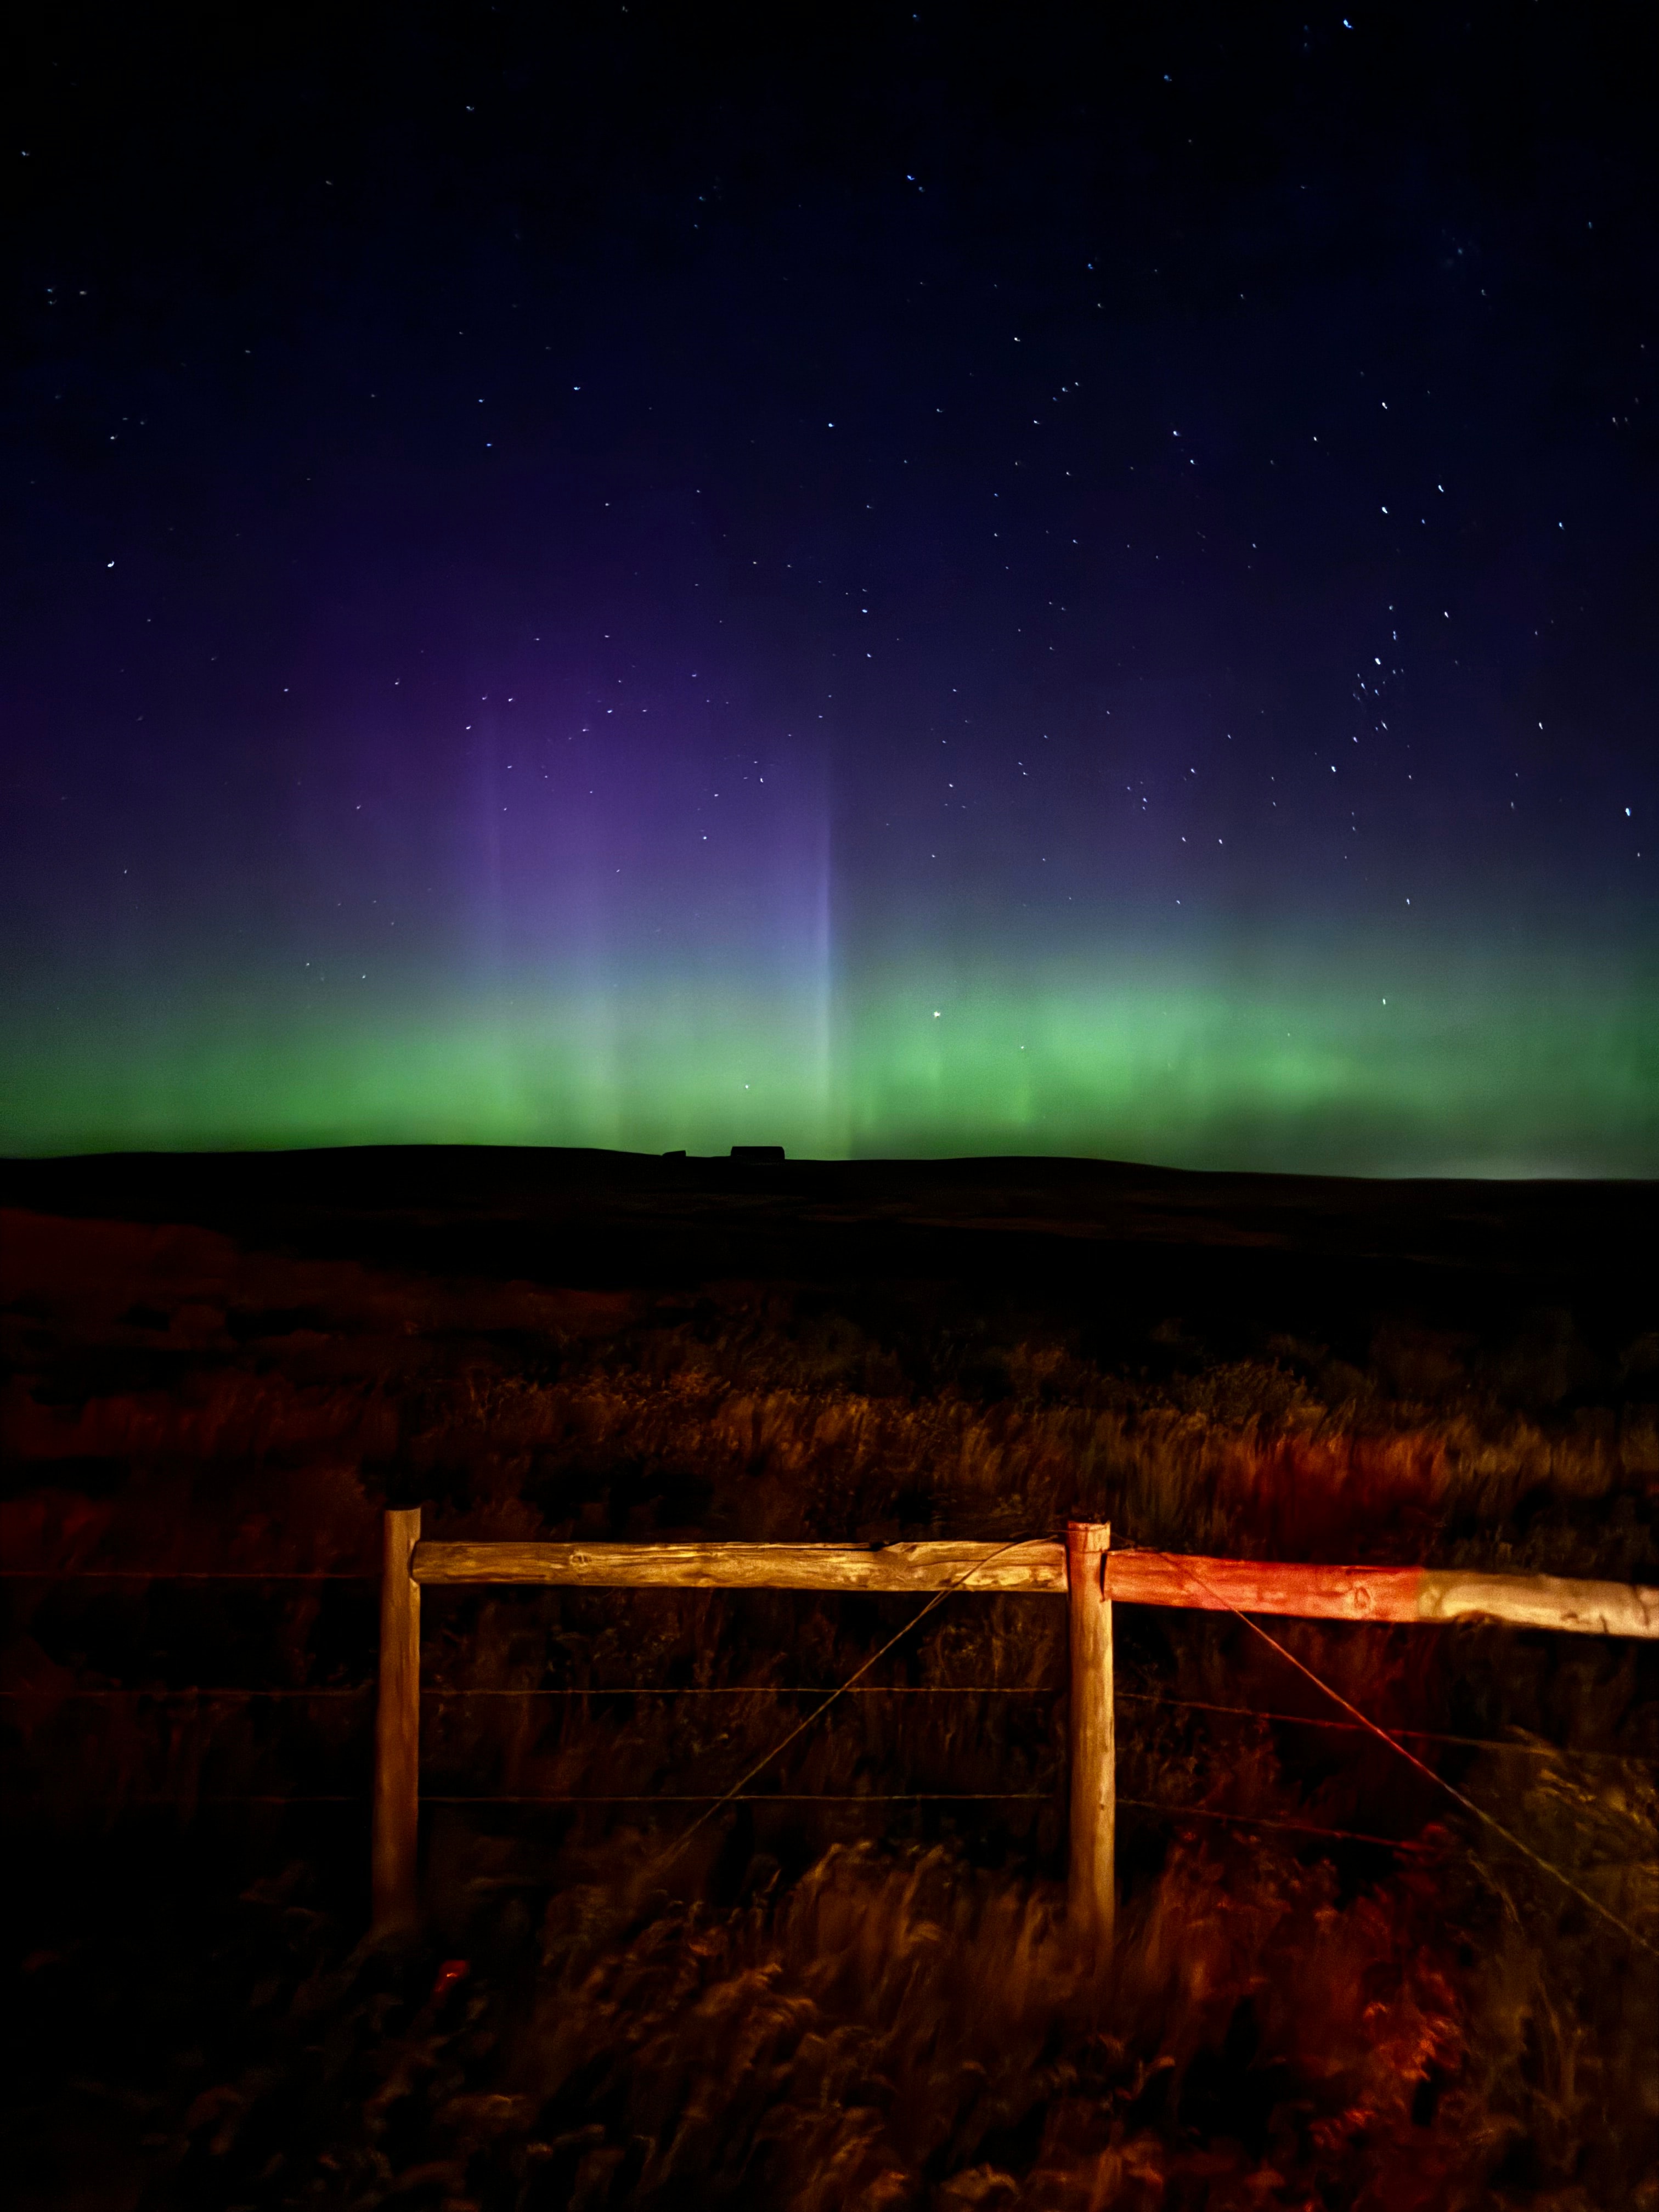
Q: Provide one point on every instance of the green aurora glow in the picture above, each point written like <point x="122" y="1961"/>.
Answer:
<point x="1500" y="1072"/>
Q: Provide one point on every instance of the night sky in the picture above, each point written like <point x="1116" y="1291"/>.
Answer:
<point x="1021" y="580"/>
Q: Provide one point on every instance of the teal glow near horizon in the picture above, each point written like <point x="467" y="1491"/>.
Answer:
<point x="1522" y="1076"/>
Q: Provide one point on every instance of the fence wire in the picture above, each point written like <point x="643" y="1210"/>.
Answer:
<point x="439" y="1694"/>
<point x="1358" y="1723"/>
<point x="1537" y="1858"/>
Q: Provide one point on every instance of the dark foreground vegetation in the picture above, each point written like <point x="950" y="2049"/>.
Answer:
<point x="236" y="1364"/>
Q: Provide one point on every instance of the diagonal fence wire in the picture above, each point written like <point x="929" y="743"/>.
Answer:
<point x="739" y="1792"/>
<point x="915" y="1621"/>
<point x="1412" y="1759"/>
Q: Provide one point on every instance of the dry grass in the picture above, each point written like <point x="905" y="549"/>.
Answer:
<point x="812" y="2006"/>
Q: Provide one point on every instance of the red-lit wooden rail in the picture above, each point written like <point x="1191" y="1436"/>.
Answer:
<point x="1083" y="1569"/>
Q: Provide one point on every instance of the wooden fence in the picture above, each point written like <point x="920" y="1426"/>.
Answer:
<point x="1083" y="1569"/>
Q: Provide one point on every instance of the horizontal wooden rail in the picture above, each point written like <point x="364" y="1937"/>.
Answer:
<point x="1083" y="1569"/>
<point x="1038" y="1568"/>
<point x="1420" y="1593"/>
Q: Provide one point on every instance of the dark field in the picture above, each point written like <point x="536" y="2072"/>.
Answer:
<point x="235" y="1364"/>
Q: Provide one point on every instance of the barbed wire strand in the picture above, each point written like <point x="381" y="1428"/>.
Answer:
<point x="46" y="1694"/>
<point x="1176" y="1813"/>
<point x="190" y="1574"/>
<point x="1419" y="1735"/>
<point x="768" y="1797"/>
<point x="153" y="1801"/>
<point x="1412" y="1759"/>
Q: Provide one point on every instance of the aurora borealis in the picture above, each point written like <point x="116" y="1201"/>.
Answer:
<point x="885" y="583"/>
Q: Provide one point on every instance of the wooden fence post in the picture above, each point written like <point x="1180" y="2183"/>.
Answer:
<point x="397" y="1731"/>
<point x="1091" y="1882"/>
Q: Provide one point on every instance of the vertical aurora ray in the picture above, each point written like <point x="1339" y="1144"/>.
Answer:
<point x="1016" y="595"/>
<point x="1501" y="1068"/>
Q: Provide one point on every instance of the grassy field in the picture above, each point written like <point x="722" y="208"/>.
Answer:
<point x="864" y="2003"/>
